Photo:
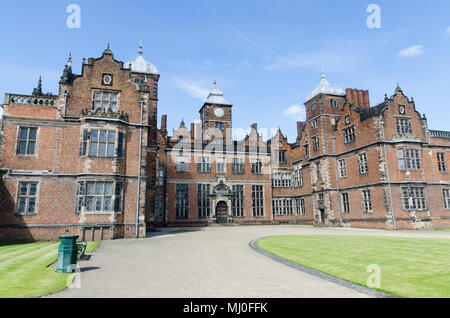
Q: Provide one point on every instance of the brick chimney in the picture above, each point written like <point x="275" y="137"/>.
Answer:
<point x="358" y="97"/>
<point x="164" y="125"/>
<point x="300" y="128"/>
<point x="192" y="131"/>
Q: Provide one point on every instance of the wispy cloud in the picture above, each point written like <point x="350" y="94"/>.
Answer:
<point x="242" y="35"/>
<point x="192" y="88"/>
<point x="296" y="112"/>
<point x="331" y="59"/>
<point x="411" y="51"/>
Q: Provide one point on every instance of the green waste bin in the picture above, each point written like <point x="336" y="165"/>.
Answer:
<point x="67" y="254"/>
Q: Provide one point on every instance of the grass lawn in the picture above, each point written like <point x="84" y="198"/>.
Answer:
<point x="24" y="272"/>
<point x="410" y="267"/>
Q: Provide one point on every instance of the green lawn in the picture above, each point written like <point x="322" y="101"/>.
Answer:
<point x="24" y="272"/>
<point x="410" y="267"/>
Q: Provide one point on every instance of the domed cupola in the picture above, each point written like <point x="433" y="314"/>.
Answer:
<point x="139" y="65"/>
<point x="325" y="87"/>
<point x="216" y="97"/>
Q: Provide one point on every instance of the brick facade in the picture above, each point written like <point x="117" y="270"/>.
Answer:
<point x="73" y="162"/>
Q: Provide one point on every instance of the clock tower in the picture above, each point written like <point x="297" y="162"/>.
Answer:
<point x="216" y="118"/>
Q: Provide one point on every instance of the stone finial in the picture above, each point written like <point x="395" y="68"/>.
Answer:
<point x="141" y="51"/>
<point x="38" y="90"/>
<point x="108" y="51"/>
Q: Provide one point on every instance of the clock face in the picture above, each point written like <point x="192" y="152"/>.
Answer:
<point x="219" y="112"/>
<point x="107" y="79"/>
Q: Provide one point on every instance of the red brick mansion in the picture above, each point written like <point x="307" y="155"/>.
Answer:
<point x="92" y="161"/>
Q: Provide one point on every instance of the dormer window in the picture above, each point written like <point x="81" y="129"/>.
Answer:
<point x="105" y="101"/>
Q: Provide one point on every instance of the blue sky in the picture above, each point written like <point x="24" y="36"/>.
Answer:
<point x="266" y="55"/>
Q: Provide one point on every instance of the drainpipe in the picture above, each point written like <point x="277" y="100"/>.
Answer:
<point x="337" y="182"/>
<point x="294" y="205"/>
<point x="388" y="177"/>
<point x="138" y="197"/>
<point x="66" y="94"/>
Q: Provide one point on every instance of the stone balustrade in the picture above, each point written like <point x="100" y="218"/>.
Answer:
<point x="44" y="100"/>
<point x="440" y="134"/>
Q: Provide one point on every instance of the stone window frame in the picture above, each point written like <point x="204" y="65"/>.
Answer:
<point x="221" y="165"/>
<point x="316" y="142"/>
<point x="409" y="159"/>
<point x="319" y="175"/>
<point x="414" y="196"/>
<point x="116" y="196"/>
<point x="403" y="125"/>
<point x="446" y="198"/>
<point x="119" y="142"/>
<point x="238" y="165"/>
<point x="342" y="167"/>
<point x="182" y="163"/>
<point x="182" y="201"/>
<point x="349" y="135"/>
<point x="281" y="179"/>
<point x="300" y="206"/>
<point x="238" y="201"/>
<point x="367" y="200"/>
<point x="19" y="140"/>
<point x="257" y="166"/>
<point x="334" y="103"/>
<point x="219" y="126"/>
<point x="158" y="211"/>
<point x="298" y="177"/>
<point x="258" y="201"/>
<point x="363" y="163"/>
<point x="204" y="164"/>
<point x="28" y="196"/>
<point x="283" y="207"/>
<point x="306" y="149"/>
<point x="346" y="203"/>
<point x="102" y="101"/>
<point x="204" y="201"/>
<point x="280" y="156"/>
<point x="441" y="161"/>
<point x="314" y="124"/>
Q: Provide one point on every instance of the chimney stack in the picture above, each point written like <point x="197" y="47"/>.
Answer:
<point x="164" y="125"/>
<point x="300" y="128"/>
<point x="192" y="131"/>
<point x="358" y="97"/>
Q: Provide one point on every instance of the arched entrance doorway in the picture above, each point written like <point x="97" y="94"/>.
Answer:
<point x="222" y="212"/>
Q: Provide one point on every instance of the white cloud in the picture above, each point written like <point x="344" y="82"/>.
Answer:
<point x="295" y="112"/>
<point x="192" y="88"/>
<point x="411" y="51"/>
